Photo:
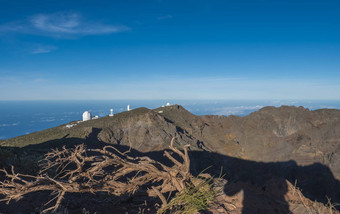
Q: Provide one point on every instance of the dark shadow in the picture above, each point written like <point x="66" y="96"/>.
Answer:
<point x="263" y="184"/>
<point x="93" y="136"/>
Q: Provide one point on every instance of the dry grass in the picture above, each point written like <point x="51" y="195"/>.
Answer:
<point x="191" y="200"/>
<point x="314" y="207"/>
<point x="82" y="170"/>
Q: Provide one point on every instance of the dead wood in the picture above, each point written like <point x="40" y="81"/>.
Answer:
<point x="81" y="170"/>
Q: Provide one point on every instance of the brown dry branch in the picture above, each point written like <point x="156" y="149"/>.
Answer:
<point x="80" y="170"/>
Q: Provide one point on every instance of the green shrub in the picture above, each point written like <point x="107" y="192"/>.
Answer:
<point x="191" y="199"/>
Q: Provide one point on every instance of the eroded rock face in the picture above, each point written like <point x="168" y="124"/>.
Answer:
<point x="146" y="132"/>
<point x="290" y="143"/>
<point x="270" y="134"/>
<point x="278" y="134"/>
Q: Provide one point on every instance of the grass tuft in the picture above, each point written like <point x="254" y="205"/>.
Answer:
<point x="194" y="197"/>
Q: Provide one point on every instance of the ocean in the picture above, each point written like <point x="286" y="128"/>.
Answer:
<point x="24" y="117"/>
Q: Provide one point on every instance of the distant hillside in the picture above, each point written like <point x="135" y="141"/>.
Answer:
<point x="270" y="134"/>
<point x="288" y="142"/>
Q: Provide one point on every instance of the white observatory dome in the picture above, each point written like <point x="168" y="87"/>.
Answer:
<point x="86" y="116"/>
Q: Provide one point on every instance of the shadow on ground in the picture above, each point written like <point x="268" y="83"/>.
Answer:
<point x="263" y="184"/>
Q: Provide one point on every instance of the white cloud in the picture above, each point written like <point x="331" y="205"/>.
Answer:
<point x="235" y="110"/>
<point x="57" y="23"/>
<point x="16" y="26"/>
<point x="61" y="24"/>
<point x="11" y="124"/>
<point x="43" y="49"/>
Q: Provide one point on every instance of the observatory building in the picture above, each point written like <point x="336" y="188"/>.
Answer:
<point x="87" y="116"/>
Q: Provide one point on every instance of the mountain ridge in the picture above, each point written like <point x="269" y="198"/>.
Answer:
<point x="269" y="134"/>
<point x="286" y="143"/>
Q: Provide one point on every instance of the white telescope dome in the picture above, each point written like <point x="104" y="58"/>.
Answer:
<point x="86" y="116"/>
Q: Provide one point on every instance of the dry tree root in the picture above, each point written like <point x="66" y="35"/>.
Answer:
<point x="81" y="170"/>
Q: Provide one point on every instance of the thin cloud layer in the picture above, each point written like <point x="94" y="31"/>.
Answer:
<point x="43" y="49"/>
<point x="28" y="86"/>
<point x="165" y="17"/>
<point x="235" y="110"/>
<point x="61" y="24"/>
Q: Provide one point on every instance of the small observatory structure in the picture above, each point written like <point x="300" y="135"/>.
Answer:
<point x="87" y="116"/>
<point x="111" y="112"/>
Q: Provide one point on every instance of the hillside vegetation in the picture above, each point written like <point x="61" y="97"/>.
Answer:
<point x="287" y="157"/>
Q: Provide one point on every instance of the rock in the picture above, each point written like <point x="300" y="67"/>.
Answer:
<point x="259" y="152"/>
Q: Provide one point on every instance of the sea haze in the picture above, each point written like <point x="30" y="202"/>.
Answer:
<point x="23" y="117"/>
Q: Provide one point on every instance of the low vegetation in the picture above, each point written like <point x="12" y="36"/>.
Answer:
<point x="82" y="170"/>
<point x="191" y="199"/>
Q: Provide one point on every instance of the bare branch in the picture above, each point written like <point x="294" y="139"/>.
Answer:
<point x="105" y="170"/>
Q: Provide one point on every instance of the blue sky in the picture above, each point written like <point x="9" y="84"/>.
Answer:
<point x="169" y="49"/>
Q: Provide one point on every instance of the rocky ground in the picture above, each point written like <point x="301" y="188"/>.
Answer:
<point x="275" y="160"/>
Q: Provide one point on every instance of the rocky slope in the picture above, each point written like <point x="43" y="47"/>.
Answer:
<point x="280" y="134"/>
<point x="290" y="143"/>
<point x="270" y="134"/>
